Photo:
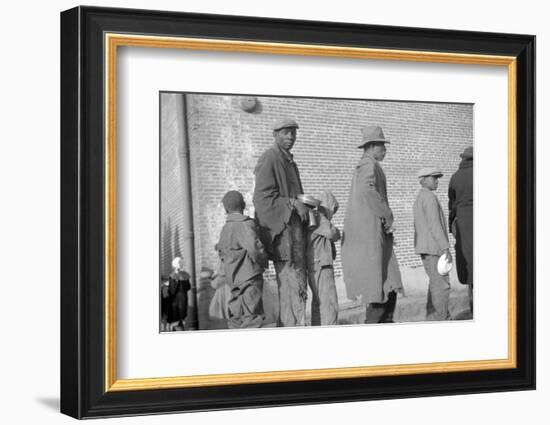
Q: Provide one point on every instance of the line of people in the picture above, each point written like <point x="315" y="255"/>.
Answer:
<point x="295" y="232"/>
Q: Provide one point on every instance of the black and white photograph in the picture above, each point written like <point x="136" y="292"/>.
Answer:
<point x="280" y="211"/>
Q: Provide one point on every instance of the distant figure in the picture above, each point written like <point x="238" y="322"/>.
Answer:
<point x="243" y="262"/>
<point x="431" y="241"/>
<point x="321" y="253"/>
<point x="282" y="219"/>
<point x="176" y="296"/>
<point x="368" y="260"/>
<point x="461" y="220"/>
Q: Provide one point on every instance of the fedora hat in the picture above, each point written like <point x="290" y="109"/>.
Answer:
<point x="372" y="134"/>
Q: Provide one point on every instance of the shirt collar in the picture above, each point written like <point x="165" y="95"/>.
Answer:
<point x="288" y="156"/>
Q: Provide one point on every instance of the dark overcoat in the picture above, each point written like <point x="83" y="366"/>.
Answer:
<point x="277" y="181"/>
<point x="177" y="296"/>
<point x="461" y="219"/>
<point x="368" y="260"/>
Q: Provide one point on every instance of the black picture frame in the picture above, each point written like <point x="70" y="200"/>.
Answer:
<point x="83" y="393"/>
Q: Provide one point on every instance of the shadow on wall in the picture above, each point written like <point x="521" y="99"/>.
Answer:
<point x="166" y="266"/>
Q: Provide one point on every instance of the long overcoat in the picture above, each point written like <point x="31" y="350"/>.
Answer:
<point x="461" y="220"/>
<point x="368" y="260"/>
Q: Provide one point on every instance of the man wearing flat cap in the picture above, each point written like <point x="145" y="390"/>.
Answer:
<point x="461" y="219"/>
<point x="282" y="218"/>
<point x="431" y="241"/>
<point x="368" y="260"/>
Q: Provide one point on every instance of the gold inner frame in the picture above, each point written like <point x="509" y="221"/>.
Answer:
<point x="113" y="41"/>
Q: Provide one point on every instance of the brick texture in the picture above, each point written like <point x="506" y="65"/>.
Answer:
<point x="226" y="142"/>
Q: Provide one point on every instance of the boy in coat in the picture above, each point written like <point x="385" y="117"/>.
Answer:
<point x="243" y="261"/>
<point x="431" y="241"/>
<point x="320" y="253"/>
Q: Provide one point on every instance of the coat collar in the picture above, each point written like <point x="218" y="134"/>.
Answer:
<point x="237" y="217"/>
<point x="366" y="159"/>
<point x="284" y="154"/>
<point x="466" y="163"/>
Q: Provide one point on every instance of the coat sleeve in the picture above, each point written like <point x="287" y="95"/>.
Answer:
<point x="437" y="230"/>
<point x="327" y="229"/>
<point x="452" y="203"/>
<point x="248" y="239"/>
<point x="366" y="182"/>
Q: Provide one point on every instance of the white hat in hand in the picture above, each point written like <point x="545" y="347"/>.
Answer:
<point x="444" y="266"/>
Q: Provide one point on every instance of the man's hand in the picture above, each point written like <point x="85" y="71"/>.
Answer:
<point x="302" y="210"/>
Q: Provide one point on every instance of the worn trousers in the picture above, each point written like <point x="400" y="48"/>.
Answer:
<point x="292" y="276"/>
<point x="437" y="304"/>
<point x="245" y="307"/>
<point x="324" y="300"/>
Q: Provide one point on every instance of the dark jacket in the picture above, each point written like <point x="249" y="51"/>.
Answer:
<point x="277" y="181"/>
<point x="177" y="296"/>
<point x="241" y="252"/>
<point x="461" y="219"/>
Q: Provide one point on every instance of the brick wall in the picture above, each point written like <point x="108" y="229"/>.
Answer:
<point x="226" y="142"/>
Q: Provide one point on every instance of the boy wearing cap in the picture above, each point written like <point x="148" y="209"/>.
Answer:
<point x="243" y="262"/>
<point x="431" y="241"/>
<point x="321" y="253"/>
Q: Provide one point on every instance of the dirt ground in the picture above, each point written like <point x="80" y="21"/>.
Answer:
<point x="410" y="307"/>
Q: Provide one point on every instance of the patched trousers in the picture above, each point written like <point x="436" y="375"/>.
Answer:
<point x="245" y="307"/>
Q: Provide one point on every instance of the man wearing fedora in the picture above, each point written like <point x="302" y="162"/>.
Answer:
<point x="368" y="260"/>
<point x="461" y="220"/>
<point x="282" y="220"/>
<point x="431" y="241"/>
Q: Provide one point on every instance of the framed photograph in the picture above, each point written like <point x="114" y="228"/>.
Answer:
<point x="261" y="212"/>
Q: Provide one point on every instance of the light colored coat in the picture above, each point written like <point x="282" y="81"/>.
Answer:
<point x="430" y="229"/>
<point x="368" y="261"/>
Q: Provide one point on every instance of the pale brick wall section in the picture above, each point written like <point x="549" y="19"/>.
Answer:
<point x="226" y="143"/>
<point x="171" y="200"/>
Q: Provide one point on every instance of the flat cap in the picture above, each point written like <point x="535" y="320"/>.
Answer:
<point x="429" y="171"/>
<point x="285" y="123"/>
<point x="372" y="134"/>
